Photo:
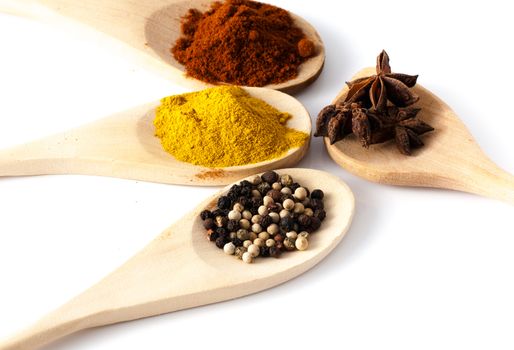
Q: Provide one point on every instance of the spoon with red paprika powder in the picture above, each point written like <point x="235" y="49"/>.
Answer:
<point x="181" y="269"/>
<point x="261" y="45"/>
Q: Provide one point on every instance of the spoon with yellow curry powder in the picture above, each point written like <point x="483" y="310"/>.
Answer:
<point x="151" y="28"/>
<point x="450" y="159"/>
<point x="125" y="146"/>
<point x="181" y="269"/>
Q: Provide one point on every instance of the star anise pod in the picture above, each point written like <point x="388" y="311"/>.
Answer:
<point x="376" y="90"/>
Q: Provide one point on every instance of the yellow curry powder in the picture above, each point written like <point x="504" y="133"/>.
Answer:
<point x="223" y="126"/>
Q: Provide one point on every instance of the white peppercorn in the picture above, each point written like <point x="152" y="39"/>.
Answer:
<point x="242" y="234"/>
<point x="254" y="250"/>
<point x="276" y="186"/>
<point x="288" y="204"/>
<point x="257" y="228"/>
<point x="256" y="180"/>
<point x="256" y="219"/>
<point x="239" y="252"/>
<point x="300" y="193"/>
<point x="289" y="244"/>
<point x="263" y="235"/>
<point x="269" y="243"/>
<point x="292" y="235"/>
<point x="263" y="210"/>
<point x="301" y="243"/>
<point x="238" y="207"/>
<point x="234" y="215"/>
<point x="259" y="242"/>
<point x="308" y="212"/>
<point x="267" y="200"/>
<point x="286" y="190"/>
<point x="253" y="236"/>
<point x="273" y="229"/>
<point x="244" y="223"/>
<point x="247" y="215"/>
<point x="284" y="213"/>
<point x="247" y="258"/>
<point x="229" y="248"/>
<point x="256" y="194"/>
<point x="247" y="243"/>
<point x="275" y="217"/>
<point x="298" y="208"/>
<point x="304" y="234"/>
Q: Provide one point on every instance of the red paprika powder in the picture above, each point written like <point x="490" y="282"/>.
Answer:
<point x="241" y="42"/>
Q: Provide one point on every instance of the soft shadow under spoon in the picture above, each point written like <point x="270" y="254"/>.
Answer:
<point x="450" y="159"/>
<point x="152" y="27"/>
<point x="182" y="269"/>
<point x="124" y="146"/>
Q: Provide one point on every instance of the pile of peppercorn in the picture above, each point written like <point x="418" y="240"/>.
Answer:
<point x="264" y="217"/>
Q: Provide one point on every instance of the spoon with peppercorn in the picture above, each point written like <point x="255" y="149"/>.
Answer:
<point x="412" y="118"/>
<point x="125" y="146"/>
<point x="149" y="29"/>
<point x="182" y="268"/>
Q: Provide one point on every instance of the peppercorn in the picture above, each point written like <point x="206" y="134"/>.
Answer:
<point x="286" y="180"/>
<point x="255" y="250"/>
<point x="270" y="242"/>
<point x="287" y="223"/>
<point x="243" y="235"/>
<point x="273" y="229"/>
<point x="259" y="242"/>
<point x="247" y="243"/>
<point x="246" y="191"/>
<point x="304" y="220"/>
<point x="234" y="215"/>
<point x="320" y="214"/>
<point x="206" y="214"/>
<point x="213" y="236"/>
<point x="275" y="195"/>
<point x="232" y="225"/>
<point x="256" y="180"/>
<point x="274" y="207"/>
<point x="266" y="221"/>
<point x="239" y="252"/>
<point x="221" y="221"/>
<point x="292" y="235"/>
<point x="275" y="217"/>
<point x="264" y="188"/>
<point x="317" y="194"/>
<point x="243" y="223"/>
<point x="306" y="202"/>
<point x="294" y="186"/>
<point x="264" y="235"/>
<point x="253" y="236"/>
<point x="246" y="215"/>
<point x="238" y="207"/>
<point x="245" y="184"/>
<point x="315" y="223"/>
<point x="220" y="242"/>
<point x="317" y="204"/>
<point x="245" y="202"/>
<point x="300" y="193"/>
<point x="304" y="234"/>
<point x="247" y="257"/>
<point x="308" y="212"/>
<point x="285" y="197"/>
<point x="278" y="238"/>
<point x="256" y="194"/>
<point x="237" y="242"/>
<point x="298" y="208"/>
<point x="232" y="236"/>
<point x="209" y="224"/>
<point x="256" y="219"/>
<point x="270" y="177"/>
<point x="267" y="200"/>
<point x="274" y="252"/>
<point x="286" y="190"/>
<point x="257" y="228"/>
<point x="229" y="248"/>
<point x="264" y="251"/>
<point x="224" y="202"/>
<point x="263" y="210"/>
<point x="301" y="243"/>
<point x="288" y="204"/>
<point x="289" y="244"/>
<point x="284" y="213"/>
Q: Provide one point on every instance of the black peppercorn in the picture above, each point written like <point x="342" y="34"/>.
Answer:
<point x="317" y="194"/>
<point x="315" y="223"/>
<point x="213" y="236"/>
<point x="263" y="188"/>
<point x="221" y="232"/>
<point x="237" y="242"/>
<point x="221" y="221"/>
<point x="304" y="220"/>
<point x="246" y="184"/>
<point x="287" y="223"/>
<point x="275" y="195"/>
<point x="246" y="191"/>
<point x="224" y="202"/>
<point x="266" y="221"/>
<point x="235" y="189"/>
<point x="274" y="252"/>
<point x="294" y="186"/>
<point x="317" y="204"/>
<point x="320" y="214"/>
<point x="206" y="214"/>
<point x="218" y="212"/>
<point x="270" y="177"/>
<point x="286" y="196"/>
<point x="245" y="202"/>
<point x="273" y="207"/>
<point x="220" y="242"/>
<point x="264" y="251"/>
<point x="209" y="224"/>
<point x="233" y="225"/>
<point x="256" y="202"/>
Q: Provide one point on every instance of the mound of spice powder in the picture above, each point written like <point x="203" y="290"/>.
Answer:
<point x="265" y="216"/>
<point x="223" y="126"/>
<point x="242" y="42"/>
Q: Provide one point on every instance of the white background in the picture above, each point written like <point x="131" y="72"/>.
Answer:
<point x="419" y="268"/>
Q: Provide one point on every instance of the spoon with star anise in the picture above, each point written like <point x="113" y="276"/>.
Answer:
<point x="450" y="158"/>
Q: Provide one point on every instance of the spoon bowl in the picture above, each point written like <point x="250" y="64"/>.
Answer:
<point x="124" y="146"/>
<point x="152" y="27"/>
<point x="182" y="269"/>
<point x="450" y="159"/>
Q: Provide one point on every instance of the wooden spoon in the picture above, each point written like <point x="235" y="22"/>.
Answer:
<point x="152" y="27"/>
<point x="124" y="146"/>
<point x="182" y="269"/>
<point x="450" y="159"/>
